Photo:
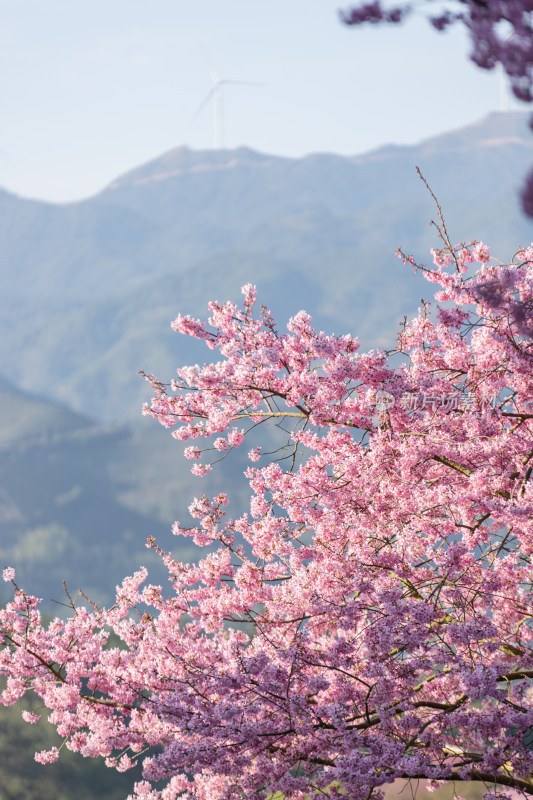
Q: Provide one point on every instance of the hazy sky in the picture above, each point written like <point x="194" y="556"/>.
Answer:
<point x="90" y="89"/>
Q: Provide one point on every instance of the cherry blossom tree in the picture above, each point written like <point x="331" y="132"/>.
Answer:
<point x="370" y="617"/>
<point x="500" y="31"/>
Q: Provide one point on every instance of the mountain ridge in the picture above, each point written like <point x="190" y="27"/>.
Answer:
<point x="182" y="159"/>
<point x="89" y="288"/>
<point x="490" y="130"/>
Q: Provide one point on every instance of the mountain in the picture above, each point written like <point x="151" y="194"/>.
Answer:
<point x="78" y="501"/>
<point x="89" y="288"/>
<point x="28" y="418"/>
<point x="72" y="777"/>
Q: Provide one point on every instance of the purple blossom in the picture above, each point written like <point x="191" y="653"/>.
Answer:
<point x="526" y="195"/>
<point x="374" y="13"/>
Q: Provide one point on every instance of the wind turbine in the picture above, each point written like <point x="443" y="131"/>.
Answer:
<point x="216" y="94"/>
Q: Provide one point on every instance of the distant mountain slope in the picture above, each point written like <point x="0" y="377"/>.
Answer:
<point x="27" y="418"/>
<point x="78" y="502"/>
<point x="89" y="288"/>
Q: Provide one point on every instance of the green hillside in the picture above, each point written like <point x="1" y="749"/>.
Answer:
<point x="72" y="777"/>
<point x="78" y="502"/>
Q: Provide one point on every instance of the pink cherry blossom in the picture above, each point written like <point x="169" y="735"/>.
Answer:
<point x="368" y="617"/>
<point x="28" y="716"/>
<point x="47" y="756"/>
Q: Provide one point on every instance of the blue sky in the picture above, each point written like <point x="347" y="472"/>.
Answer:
<point x="90" y="89"/>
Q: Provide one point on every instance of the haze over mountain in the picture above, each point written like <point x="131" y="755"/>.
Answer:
<point x="89" y="288"/>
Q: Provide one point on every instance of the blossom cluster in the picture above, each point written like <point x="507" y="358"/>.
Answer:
<point x="369" y="618"/>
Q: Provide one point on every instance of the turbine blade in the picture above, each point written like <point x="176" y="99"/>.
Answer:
<point x="243" y="83"/>
<point x="213" y="74"/>
<point x="206" y="99"/>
